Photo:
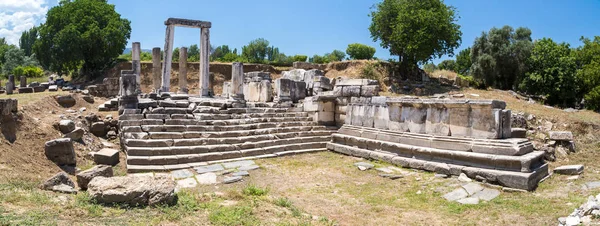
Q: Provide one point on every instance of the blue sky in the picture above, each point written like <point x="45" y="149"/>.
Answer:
<point x="316" y="26"/>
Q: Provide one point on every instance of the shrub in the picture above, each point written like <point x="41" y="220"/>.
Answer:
<point x="299" y="58"/>
<point x="319" y="59"/>
<point x="592" y="99"/>
<point x="359" y="51"/>
<point x="252" y="190"/>
<point x="29" y="71"/>
<point x="369" y="72"/>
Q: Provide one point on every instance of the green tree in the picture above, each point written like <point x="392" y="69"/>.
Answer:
<point x="336" y="55"/>
<point x="359" y="51"/>
<point x="588" y="71"/>
<point x="499" y="56"/>
<point x="176" y="54"/>
<point x="15" y="57"/>
<point x="449" y="65"/>
<point x="273" y="54"/>
<point x="27" y="40"/>
<point x="3" y="48"/>
<point x="193" y="53"/>
<point x="551" y="72"/>
<point x="298" y="58"/>
<point x="415" y="30"/>
<point x="220" y="52"/>
<point x="86" y="34"/>
<point x="463" y="62"/>
<point x="256" y="50"/>
<point x="317" y="59"/>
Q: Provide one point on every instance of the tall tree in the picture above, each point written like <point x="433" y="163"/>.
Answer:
<point x="415" y="30"/>
<point x="499" y="56"/>
<point x="588" y="71"/>
<point x="81" y="34"/>
<point x="449" y="65"/>
<point x="16" y="57"/>
<point x="193" y="53"/>
<point x="551" y="72"/>
<point x="27" y="40"/>
<point x="336" y="55"/>
<point x="256" y="50"/>
<point x="176" y="54"/>
<point x="463" y="62"/>
<point x="220" y="52"/>
<point x="3" y="48"/>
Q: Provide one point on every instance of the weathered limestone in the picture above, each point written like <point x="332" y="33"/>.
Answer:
<point x="128" y="99"/>
<point x="205" y="89"/>
<point x="136" y="50"/>
<point x="10" y="85"/>
<point x="84" y="178"/>
<point x="156" y="69"/>
<point x="7" y="107"/>
<point x="133" y="190"/>
<point x="183" y="56"/>
<point x="167" y="59"/>
<point x="107" y="156"/>
<point x="236" y="91"/>
<point x="257" y="87"/>
<point x="23" y="82"/>
<point x="60" y="151"/>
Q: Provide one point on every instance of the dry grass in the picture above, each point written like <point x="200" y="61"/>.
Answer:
<point x="28" y="98"/>
<point x="443" y="74"/>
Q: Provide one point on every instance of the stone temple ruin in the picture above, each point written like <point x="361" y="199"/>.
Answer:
<point x="304" y="111"/>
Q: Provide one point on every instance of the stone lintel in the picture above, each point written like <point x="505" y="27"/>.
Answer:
<point x="188" y="23"/>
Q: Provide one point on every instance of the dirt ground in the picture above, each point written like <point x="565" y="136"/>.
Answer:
<point x="311" y="189"/>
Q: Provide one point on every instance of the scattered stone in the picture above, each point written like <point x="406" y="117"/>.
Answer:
<point x="474" y="95"/>
<point x="66" y="101"/>
<point x="561" y="135"/>
<point x="63" y="188"/>
<point x="390" y="176"/>
<point x="248" y="168"/>
<point x="207" y="178"/>
<point x="469" y="201"/>
<point x="66" y="126"/>
<point x="57" y="179"/>
<point x="133" y="190"/>
<point x="439" y="175"/>
<point x="457" y="194"/>
<point x="419" y="192"/>
<point x="60" y="151"/>
<point x="364" y="166"/>
<point x="486" y="194"/>
<point x="107" y="156"/>
<point x="187" y="183"/>
<point x="76" y="134"/>
<point x="241" y="173"/>
<point x="572" y="221"/>
<point x="592" y="185"/>
<point x="111" y="135"/>
<point x="209" y="168"/>
<point x="86" y="176"/>
<point x="236" y="164"/>
<point x="70" y="111"/>
<point x="573" y="177"/>
<point x="53" y="88"/>
<point x="82" y="109"/>
<point x="180" y="174"/>
<point x="98" y="129"/>
<point x="88" y="98"/>
<point x="472" y="188"/>
<point x="464" y="178"/>
<point x="458" y="95"/>
<point x="569" y="170"/>
<point x="233" y="179"/>
<point x="385" y="170"/>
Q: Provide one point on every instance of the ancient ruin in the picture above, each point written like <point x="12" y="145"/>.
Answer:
<point x="304" y="111"/>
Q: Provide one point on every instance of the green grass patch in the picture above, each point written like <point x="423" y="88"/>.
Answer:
<point x="233" y="215"/>
<point x="253" y="190"/>
<point x="283" y="202"/>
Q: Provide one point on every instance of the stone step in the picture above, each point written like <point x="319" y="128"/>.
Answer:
<point x="219" y="134"/>
<point x="203" y="128"/>
<point x="157" y="168"/>
<point x="519" y="180"/>
<point x="226" y="140"/>
<point x="524" y="163"/>
<point x="510" y="147"/>
<point x="185" y="158"/>
<point x="210" y="148"/>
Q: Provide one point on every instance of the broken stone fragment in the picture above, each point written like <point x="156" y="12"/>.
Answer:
<point x="561" y="135"/>
<point x="86" y="176"/>
<point x="76" y="134"/>
<point x="364" y="166"/>
<point x="569" y="169"/>
<point x="66" y="126"/>
<point x="98" y="129"/>
<point x="133" y="190"/>
<point x="65" y="101"/>
<point x="60" y="151"/>
<point x="107" y="156"/>
<point x="57" y="179"/>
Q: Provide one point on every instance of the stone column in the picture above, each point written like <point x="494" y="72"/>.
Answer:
<point x="156" y="81"/>
<point x="204" y="62"/>
<point x="168" y="56"/>
<point x="237" y="81"/>
<point x="128" y="85"/>
<point x="135" y="61"/>
<point x="10" y="85"/>
<point x="183" y="70"/>
<point x="23" y="81"/>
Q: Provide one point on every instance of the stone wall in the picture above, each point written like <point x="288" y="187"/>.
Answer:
<point x="458" y="118"/>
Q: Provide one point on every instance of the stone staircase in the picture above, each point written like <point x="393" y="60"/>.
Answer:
<point x="508" y="162"/>
<point x="183" y="132"/>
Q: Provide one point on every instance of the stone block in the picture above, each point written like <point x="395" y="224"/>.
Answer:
<point x="351" y="91"/>
<point x="25" y="90"/>
<point x="107" y="156"/>
<point x="569" y="169"/>
<point x="60" y="151"/>
<point x="518" y="133"/>
<point x="84" y="178"/>
<point x="561" y="135"/>
<point x="369" y="91"/>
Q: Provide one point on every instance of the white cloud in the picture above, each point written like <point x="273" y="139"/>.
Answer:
<point x="17" y="16"/>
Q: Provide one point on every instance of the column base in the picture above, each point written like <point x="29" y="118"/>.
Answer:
<point x="206" y="93"/>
